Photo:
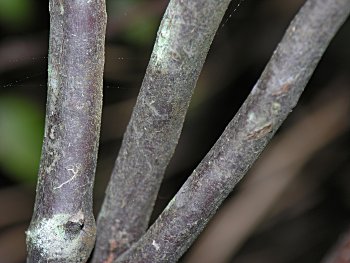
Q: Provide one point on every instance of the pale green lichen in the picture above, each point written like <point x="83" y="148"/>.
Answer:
<point x="161" y="47"/>
<point x="61" y="7"/>
<point x="170" y="204"/>
<point x="52" y="147"/>
<point x="50" y="237"/>
<point x="52" y="132"/>
<point x="276" y="107"/>
<point x="53" y="84"/>
<point x="258" y="125"/>
<point x="256" y="120"/>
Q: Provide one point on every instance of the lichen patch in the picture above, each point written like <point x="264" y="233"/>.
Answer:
<point x="49" y="237"/>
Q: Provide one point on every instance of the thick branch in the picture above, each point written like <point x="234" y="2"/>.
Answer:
<point x="183" y="40"/>
<point x="63" y="227"/>
<point x="273" y="97"/>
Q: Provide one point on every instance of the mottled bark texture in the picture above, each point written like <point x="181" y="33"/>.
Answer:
<point x="63" y="227"/>
<point x="184" y="37"/>
<point x="271" y="100"/>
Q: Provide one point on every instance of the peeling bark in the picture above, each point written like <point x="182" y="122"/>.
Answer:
<point x="63" y="227"/>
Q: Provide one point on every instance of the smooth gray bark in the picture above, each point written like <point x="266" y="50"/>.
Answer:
<point x="63" y="227"/>
<point x="184" y="37"/>
<point x="271" y="100"/>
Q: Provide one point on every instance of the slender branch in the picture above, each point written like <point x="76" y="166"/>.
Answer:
<point x="340" y="252"/>
<point x="63" y="227"/>
<point x="184" y="37"/>
<point x="273" y="97"/>
<point x="271" y="177"/>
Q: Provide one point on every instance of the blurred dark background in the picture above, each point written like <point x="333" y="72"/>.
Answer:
<point x="308" y="213"/>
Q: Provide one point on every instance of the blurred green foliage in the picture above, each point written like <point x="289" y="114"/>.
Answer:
<point x="21" y="134"/>
<point x="142" y="31"/>
<point x="113" y="5"/>
<point x="142" y="26"/>
<point x="16" y="14"/>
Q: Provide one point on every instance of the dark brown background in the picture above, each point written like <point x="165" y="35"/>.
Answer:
<point x="305" y="221"/>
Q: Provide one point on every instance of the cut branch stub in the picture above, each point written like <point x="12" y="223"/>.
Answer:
<point x="63" y="227"/>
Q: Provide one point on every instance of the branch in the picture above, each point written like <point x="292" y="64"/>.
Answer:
<point x="277" y="169"/>
<point x="340" y="252"/>
<point x="184" y="37"/>
<point x="63" y="227"/>
<point x="273" y="97"/>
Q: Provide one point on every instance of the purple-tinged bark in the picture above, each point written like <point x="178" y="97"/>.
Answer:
<point x="184" y="37"/>
<point x="63" y="227"/>
<point x="271" y="100"/>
